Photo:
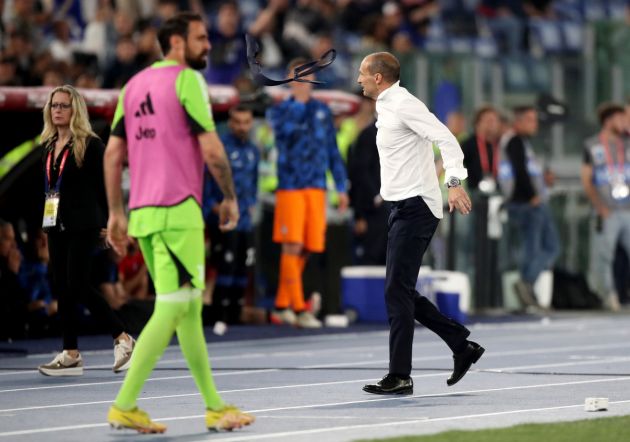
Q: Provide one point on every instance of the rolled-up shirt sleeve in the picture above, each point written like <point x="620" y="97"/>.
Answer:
<point x="427" y="126"/>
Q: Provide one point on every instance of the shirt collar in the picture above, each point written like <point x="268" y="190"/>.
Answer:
<point x="384" y="94"/>
<point x="164" y="63"/>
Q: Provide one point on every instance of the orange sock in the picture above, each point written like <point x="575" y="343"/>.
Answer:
<point x="290" y="292"/>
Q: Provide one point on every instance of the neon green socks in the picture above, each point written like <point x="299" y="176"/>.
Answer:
<point x="168" y="317"/>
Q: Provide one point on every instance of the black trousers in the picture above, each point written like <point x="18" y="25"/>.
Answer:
<point x="411" y="227"/>
<point x="71" y="256"/>
<point x="233" y="257"/>
<point x="374" y="242"/>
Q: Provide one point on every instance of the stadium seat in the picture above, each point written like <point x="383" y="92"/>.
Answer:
<point x="486" y="47"/>
<point x="573" y="35"/>
<point x="545" y="36"/>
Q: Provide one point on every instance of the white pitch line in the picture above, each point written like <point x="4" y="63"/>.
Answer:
<point x="160" y="362"/>
<point x="267" y="436"/>
<point x="50" y="430"/>
<point x="424" y="358"/>
<point x="559" y="364"/>
<point x="488" y="353"/>
<point x="561" y="324"/>
<point x="166" y="378"/>
<point x="433" y="395"/>
<point x="274" y="387"/>
<point x="353" y="349"/>
<point x="319" y="417"/>
<point x="402" y="422"/>
<point x="242" y="390"/>
<point x="11" y="373"/>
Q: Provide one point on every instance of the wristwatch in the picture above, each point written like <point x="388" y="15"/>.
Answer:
<point x="453" y="182"/>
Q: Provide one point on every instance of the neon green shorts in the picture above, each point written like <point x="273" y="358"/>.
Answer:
<point x="172" y="244"/>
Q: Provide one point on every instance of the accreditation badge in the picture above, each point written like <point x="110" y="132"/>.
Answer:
<point x="488" y="184"/>
<point x="51" y="209"/>
<point x="619" y="189"/>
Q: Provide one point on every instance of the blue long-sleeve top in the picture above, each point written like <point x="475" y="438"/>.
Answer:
<point x="33" y="277"/>
<point x="305" y="138"/>
<point x="244" y="158"/>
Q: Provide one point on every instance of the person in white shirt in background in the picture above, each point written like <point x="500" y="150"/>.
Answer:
<point x="406" y="132"/>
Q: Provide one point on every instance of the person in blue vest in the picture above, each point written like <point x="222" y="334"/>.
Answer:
<point x="233" y="252"/>
<point x="524" y="184"/>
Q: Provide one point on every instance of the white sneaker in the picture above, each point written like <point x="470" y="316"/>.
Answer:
<point x="307" y="320"/>
<point x="314" y="304"/>
<point x="612" y="303"/>
<point x="284" y="316"/>
<point x="122" y="354"/>
<point x="63" y="365"/>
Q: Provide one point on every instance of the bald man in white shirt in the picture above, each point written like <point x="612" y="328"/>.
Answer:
<point x="406" y="133"/>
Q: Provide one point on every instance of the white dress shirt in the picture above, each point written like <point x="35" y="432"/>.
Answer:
<point x="405" y="137"/>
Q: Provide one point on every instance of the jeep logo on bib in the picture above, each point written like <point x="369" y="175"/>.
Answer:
<point x="145" y="133"/>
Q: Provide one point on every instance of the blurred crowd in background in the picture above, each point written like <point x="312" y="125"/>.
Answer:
<point x="102" y="43"/>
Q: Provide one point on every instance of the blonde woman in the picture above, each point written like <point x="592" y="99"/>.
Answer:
<point x="75" y="213"/>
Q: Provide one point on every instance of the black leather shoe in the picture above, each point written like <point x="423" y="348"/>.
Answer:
<point x="391" y="384"/>
<point x="463" y="361"/>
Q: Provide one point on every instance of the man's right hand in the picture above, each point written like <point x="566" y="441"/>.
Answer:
<point x="360" y="226"/>
<point x="603" y="211"/>
<point x="535" y="201"/>
<point x="228" y="214"/>
<point x="117" y="232"/>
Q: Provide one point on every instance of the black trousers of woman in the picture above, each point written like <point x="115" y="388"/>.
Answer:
<point x="411" y="227"/>
<point x="71" y="256"/>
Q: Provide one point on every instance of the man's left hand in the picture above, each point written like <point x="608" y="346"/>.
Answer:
<point x="344" y="202"/>
<point x="458" y="200"/>
<point x="228" y="214"/>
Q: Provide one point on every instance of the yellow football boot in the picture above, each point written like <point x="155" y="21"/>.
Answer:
<point x="135" y="419"/>
<point x="227" y="419"/>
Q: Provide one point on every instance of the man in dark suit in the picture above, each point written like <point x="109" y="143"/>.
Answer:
<point x="405" y="137"/>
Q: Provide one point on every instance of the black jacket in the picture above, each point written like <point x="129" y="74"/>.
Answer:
<point x="516" y="151"/>
<point x="364" y="172"/>
<point x="83" y="203"/>
<point x="472" y="160"/>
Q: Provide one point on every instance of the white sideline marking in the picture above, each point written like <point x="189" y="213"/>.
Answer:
<point x="403" y="422"/>
<point x="242" y="390"/>
<point x="166" y="378"/>
<point x="50" y="430"/>
<point x="318" y="417"/>
<point x="486" y="355"/>
<point x="559" y="364"/>
<point x="373" y="348"/>
<point x="352" y="364"/>
<point x="267" y="436"/>
<point x="433" y="395"/>
<point x="561" y="325"/>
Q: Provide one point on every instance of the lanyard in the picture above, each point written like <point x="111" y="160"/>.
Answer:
<point x="61" y="167"/>
<point x="482" y="148"/>
<point x="609" y="159"/>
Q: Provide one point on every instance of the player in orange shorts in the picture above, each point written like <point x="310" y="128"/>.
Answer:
<point x="307" y="148"/>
